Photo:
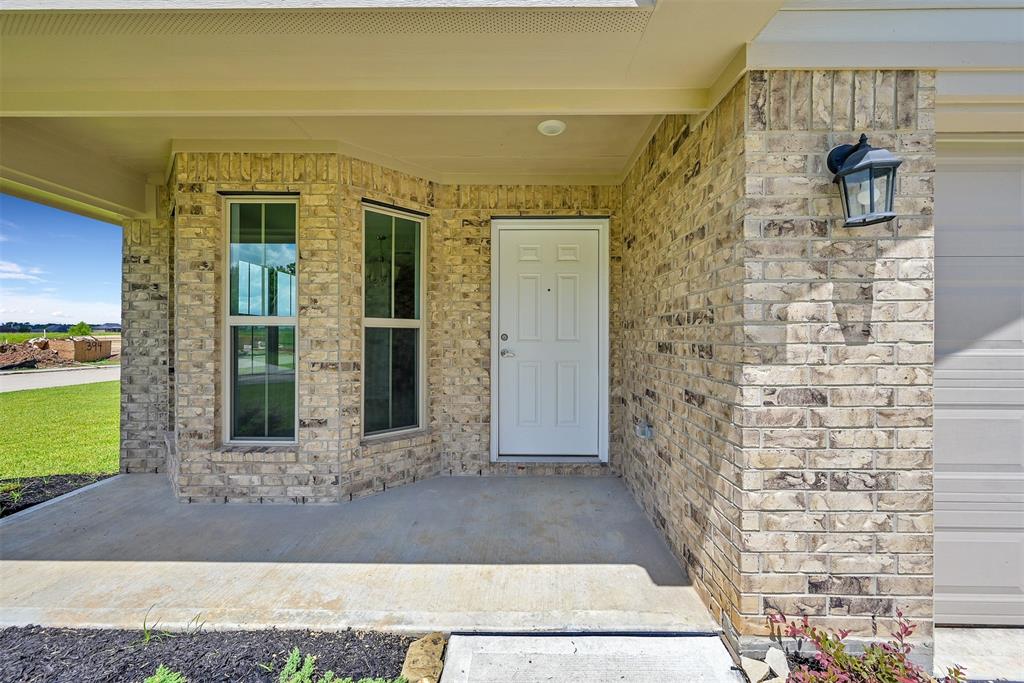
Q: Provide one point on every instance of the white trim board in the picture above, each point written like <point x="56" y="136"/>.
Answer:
<point x="555" y="223"/>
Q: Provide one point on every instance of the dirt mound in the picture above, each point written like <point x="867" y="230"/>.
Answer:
<point x="29" y="355"/>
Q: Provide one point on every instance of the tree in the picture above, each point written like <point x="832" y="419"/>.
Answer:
<point x="79" y="329"/>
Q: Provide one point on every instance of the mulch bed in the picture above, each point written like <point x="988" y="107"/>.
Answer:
<point x="34" y="653"/>
<point x="34" y="490"/>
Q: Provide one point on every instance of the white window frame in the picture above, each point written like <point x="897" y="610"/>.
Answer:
<point x="390" y="323"/>
<point x="231" y="321"/>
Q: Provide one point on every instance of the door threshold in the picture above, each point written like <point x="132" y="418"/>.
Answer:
<point x="553" y="459"/>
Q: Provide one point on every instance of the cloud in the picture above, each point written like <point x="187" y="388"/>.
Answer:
<point x="48" y="308"/>
<point x="12" y="271"/>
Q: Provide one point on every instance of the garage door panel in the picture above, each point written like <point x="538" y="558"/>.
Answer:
<point x="992" y="240"/>
<point x="979" y="394"/>
<point x="979" y="440"/>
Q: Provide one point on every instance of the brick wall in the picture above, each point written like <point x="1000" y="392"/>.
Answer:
<point x="682" y="323"/>
<point x="145" y="299"/>
<point x="785" y="361"/>
<point x="460" y="311"/>
<point x="332" y="461"/>
<point x="838" y="355"/>
<point x="209" y="470"/>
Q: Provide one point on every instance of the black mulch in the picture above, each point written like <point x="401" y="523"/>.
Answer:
<point x="34" y="653"/>
<point x="18" y="494"/>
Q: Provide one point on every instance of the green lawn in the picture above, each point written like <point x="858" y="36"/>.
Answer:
<point x="64" y="430"/>
<point x="18" y="337"/>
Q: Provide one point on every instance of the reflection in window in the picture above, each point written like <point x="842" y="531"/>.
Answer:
<point x="392" y="309"/>
<point x="263" y="381"/>
<point x="262" y="284"/>
<point x="263" y="259"/>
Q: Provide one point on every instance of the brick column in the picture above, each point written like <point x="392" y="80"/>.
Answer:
<point x="838" y="360"/>
<point x="145" y="290"/>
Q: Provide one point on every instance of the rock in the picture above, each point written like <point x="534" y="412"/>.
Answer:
<point x="776" y="659"/>
<point x="423" y="661"/>
<point x="755" y="669"/>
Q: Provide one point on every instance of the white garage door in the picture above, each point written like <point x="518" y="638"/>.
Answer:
<point x="979" y="388"/>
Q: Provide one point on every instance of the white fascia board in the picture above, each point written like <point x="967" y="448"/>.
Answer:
<point x="164" y="5"/>
<point x="996" y="87"/>
<point x="341" y="103"/>
<point x="895" y="55"/>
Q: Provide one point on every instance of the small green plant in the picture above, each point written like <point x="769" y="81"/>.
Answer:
<point x="299" y="669"/>
<point x="10" y="487"/>
<point x="195" y="625"/>
<point x="150" y="633"/>
<point x="80" y="329"/>
<point x="165" y="675"/>
<point x="887" y="662"/>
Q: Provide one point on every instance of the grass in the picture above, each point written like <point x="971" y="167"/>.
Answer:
<point x="63" y="430"/>
<point x="113" y="360"/>
<point x="18" y="337"/>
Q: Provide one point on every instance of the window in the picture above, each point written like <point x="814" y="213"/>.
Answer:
<point x="261" y="318"/>
<point x="392" y="321"/>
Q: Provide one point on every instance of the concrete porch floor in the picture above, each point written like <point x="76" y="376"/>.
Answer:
<point x="449" y="554"/>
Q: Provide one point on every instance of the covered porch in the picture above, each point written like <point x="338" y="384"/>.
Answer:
<point x="487" y="554"/>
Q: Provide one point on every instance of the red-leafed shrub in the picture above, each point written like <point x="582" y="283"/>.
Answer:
<point x="887" y="662"/>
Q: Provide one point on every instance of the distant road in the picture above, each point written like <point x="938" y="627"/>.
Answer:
<point x="41" y="379"/>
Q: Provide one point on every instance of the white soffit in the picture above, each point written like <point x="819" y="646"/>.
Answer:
<point x="642" y="58"/>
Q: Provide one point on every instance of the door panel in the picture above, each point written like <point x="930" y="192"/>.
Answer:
<point x="979" y="393"/>
<point x="548" y="378"/>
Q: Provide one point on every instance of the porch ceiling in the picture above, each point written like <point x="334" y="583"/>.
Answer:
<point x="502" y="149"/>
<point x="453" y="94"/>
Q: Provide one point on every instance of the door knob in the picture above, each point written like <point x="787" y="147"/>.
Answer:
<point x="506" y="353"/>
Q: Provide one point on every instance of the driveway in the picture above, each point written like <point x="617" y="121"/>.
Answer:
<point x="42" y="379"/>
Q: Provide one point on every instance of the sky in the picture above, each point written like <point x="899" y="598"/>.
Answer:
<point x="57" y="266"/>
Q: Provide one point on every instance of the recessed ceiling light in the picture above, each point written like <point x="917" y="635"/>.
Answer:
<point x="551" y="127"/>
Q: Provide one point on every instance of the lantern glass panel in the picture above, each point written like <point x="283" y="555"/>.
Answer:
<point x="858" y="193"/>
<point x="881" y="181"/>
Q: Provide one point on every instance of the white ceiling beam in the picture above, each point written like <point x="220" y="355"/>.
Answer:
<point x="345" y="103"/>
<point x="56" y="172"/>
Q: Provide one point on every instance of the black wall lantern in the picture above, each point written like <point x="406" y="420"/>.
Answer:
<point x="867" y="181"/>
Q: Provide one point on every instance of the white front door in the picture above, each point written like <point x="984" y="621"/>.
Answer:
<point x="549" y="342"/>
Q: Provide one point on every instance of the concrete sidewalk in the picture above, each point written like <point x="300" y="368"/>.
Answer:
<point x="43" y="379"/>
<point x="595" y="659"/>
<point x="492" y="554"/>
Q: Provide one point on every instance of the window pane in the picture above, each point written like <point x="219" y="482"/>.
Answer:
<point x="280" y="258"/>
<point x="246" y="253"/>
<point x="263" y="259"/>
<point x="406" y="282"/>
<point x="377" y="380"/>
<point x="377" y="248"/>
<point x="391" y="392"/>
<point x="404" y="378"/>
<point x="263" y="382"/>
